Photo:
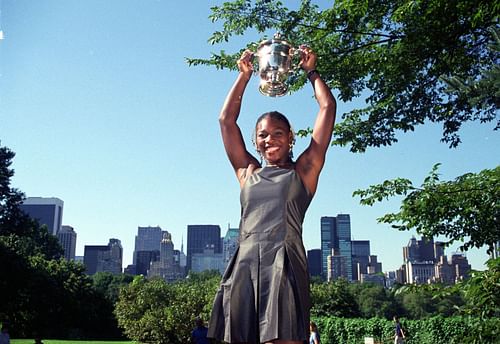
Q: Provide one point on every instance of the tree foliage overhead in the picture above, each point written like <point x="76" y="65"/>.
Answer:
<point x="415" y="60"/>
<point x="465" y="209"/>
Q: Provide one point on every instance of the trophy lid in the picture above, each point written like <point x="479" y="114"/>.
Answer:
<point x="277" y="39"/>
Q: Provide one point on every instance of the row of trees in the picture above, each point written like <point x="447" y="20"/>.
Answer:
<point x="154" y="311"/>
<point x="434" y="330"/>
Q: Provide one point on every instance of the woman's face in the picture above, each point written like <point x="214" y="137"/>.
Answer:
<point x="273" y="138"/>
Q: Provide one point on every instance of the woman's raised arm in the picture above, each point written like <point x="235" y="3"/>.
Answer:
<point x="311" y="161"/>
<point x="234" y="144"/>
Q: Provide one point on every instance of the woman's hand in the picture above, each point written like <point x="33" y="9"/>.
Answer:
<point x="245" y="65"/>
<point x="309" y="58"/>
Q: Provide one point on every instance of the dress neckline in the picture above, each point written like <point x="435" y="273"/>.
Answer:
<point x="292" y="167"/>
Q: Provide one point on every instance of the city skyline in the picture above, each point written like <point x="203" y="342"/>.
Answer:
<point x="223" y="234"/>
<point x="423" y="259"/>
<point x="153" y="254"/>
<point x="103" y="112"/>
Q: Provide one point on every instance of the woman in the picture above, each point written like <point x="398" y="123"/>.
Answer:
<point x="264" y="293"/>
<point x="314" y="337"/>
<point x="399" y="335"/>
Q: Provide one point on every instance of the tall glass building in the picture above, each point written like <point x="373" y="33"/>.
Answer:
<point x="314" y="262"/>
<point x="336" y="234"/>
<point x="360" y="258"/>
<point x="147" y="239"/>
<point x="201" y="237"/>
<point x="46" y="210"/>
<point x="67" y="239"/>
<point x="344" y="236"/>
<point x="328" y="241"/>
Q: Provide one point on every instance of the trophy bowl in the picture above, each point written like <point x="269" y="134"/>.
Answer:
<point x="275" y="63"/>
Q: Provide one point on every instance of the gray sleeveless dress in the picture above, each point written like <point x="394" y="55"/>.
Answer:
<point x="264" y="293"/>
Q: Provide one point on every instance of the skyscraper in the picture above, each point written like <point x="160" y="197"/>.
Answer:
<point x="360" y="258"/>
<point x="201" y="237"/>
<point x="420" y="256"/>
<point x="144" y="260"/>
<point x="103" y="258"/>
<point x="344" y="235"/>
<point x="166" y="267"/>
<point x="462" y="266"/>
<point x="314" y="262"/>
<point x="328" y="241"/>
<point x="336" y="234"/>
<point x="46" y="210"/>
<point x="424" y="250"/>
<point x="92" y="255"/>
<point x="207" y="260"/>
<point x="147" y="239"/>
<point x="67" y="239"/>
<point x="336" y="265"/>
<point x="230" y="243"/>
<point x="115" y="262"/>
<point x="167" y="250"/>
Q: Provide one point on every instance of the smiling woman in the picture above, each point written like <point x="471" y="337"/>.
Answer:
<point x="274" y="139"/>
<point x="264" y="293"/>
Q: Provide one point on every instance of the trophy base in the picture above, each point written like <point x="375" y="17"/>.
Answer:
<point x="273" y="89"/>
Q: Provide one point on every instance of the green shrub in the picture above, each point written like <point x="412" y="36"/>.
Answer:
<point x="153" y="311"/>
<point x="434" y="330"/>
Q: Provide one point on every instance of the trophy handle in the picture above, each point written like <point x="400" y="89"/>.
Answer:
<point x="253" y="47"/>
<point x="255" y="62"/>
<point x="297" y="54"/>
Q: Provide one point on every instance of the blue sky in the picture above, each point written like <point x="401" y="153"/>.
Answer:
<point x="103" y="112"/>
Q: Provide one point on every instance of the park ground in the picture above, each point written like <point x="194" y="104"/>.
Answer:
<point x="56" y="341"/>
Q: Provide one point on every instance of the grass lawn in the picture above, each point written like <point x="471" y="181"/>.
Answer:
<point x="55" y="341"/>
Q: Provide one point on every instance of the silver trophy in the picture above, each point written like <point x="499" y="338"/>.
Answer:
<point x="275" y="64"/>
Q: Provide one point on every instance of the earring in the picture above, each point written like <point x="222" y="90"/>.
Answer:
<point x="291" y="143"/>
<point x="260" y="154"/>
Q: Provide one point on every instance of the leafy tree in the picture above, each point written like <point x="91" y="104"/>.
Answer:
<point x="155" y="311"/>
<point x="418" y="304"/>
<point x="20" y="239"/>
<point x="109" y="284"/>
<point x="429" y="300"/>
<point x="374" y="300"/>
<point x="485" y="90"/>
<point x="481" y="292"/>
<point x="70" y="306"/>
<point x="333" y="299"/>
<point x="466" y="209"/>
<point x="435" y="330"/>
<point x="408" y="57"/>
<point x="315" y="279"/>
<point x="483" y="300"/>
<point x="475" y="299"/>
<point x="52" y="298"/>
<point x="203" y="275"/>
